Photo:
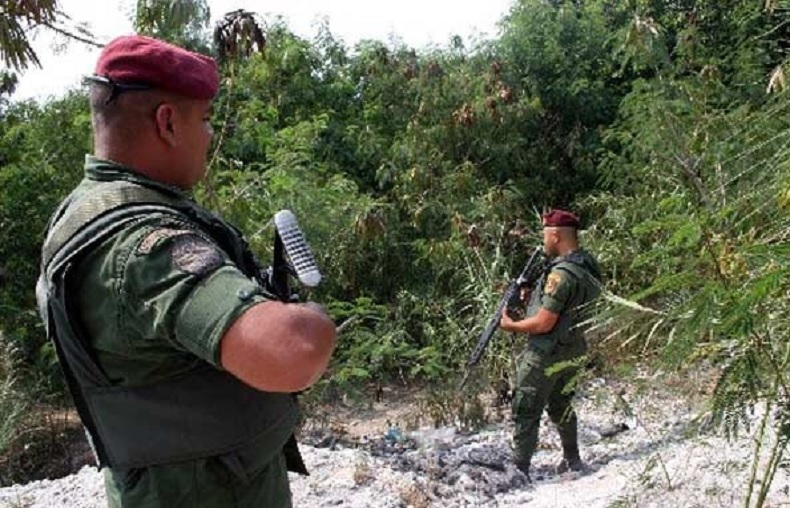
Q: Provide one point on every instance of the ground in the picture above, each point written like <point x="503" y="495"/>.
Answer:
<point x="649" y="442"/>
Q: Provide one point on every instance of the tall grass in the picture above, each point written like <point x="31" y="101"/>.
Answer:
<point x="13" y="400"/>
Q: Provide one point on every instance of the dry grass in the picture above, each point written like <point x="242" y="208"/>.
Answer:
<point x="52" y="445"/>
<point x="363" y="474"/>
<point x="414" y="495"/>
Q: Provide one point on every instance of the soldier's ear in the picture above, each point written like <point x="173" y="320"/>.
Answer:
<point x="164" y="117"/>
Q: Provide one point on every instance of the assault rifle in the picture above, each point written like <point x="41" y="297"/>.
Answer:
<point x="292" y="257"/>
<point x="510" y="300"/>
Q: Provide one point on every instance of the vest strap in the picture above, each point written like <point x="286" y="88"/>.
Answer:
<point x="81" y="212"/>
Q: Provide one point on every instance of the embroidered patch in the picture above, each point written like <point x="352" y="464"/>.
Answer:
<point x="195" y="255"/>
<point x="552" y="281"/>
<point x="154" y="237"/>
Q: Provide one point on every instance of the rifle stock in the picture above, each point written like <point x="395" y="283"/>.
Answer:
<point x="512" y="295"/>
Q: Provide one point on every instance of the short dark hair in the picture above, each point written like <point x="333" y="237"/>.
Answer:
<point x="123" y="114"/>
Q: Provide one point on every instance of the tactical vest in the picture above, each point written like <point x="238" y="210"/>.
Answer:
<point x="203" y="413"/>
<point x="567" y="331"/>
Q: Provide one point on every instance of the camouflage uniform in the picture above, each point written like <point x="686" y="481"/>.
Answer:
<point x="549" y="363"/>
<point x="153" y="301"/>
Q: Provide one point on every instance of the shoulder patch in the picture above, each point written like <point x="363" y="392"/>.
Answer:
<point x="195" y="255"/>
<point x="553" y="281"/>
<point x="154" y="237"/>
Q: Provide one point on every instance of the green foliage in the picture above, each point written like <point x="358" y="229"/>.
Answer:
<point x="16" y="19"/>
<point x="8" y="83"/>
<point x="417" y="176"/>
<point x="693" y="231"/>
<point x="42" y="151"/>
<point x="181" y="22"/>
<point x="445" y="406"/>
<point x="562" y="59"/>
<point x="13" y="400"/>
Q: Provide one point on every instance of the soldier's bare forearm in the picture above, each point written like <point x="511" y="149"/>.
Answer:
<point x="279" y="347"/>
<point x="542" y="322"/>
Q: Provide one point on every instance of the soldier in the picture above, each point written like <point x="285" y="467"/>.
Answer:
<point x="181" y="365"/>
<point x="556" y="307"/>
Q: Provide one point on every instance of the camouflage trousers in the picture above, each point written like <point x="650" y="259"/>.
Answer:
<point x="543" y="381"/>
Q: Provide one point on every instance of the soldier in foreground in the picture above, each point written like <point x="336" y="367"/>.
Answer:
<point x="180" y="362"/>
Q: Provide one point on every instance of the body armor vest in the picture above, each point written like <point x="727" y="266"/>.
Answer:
<point x="200" y="414"/>
<point x="567" y="330"/>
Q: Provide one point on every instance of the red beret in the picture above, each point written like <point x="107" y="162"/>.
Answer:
<point x="140" y="60"/>
<point x="560" y="218"/>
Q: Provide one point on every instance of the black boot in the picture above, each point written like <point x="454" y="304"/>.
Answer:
<point x="571" y="461"/>
<point x="523" y="466"/>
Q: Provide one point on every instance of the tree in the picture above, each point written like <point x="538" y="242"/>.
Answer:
<point x="19" y="18"/>
<point x="237" y="35"/>
<point x="181" y="22"/>
<point x="42" y="151"/>
<point x="16" y="19"/>
<point x="8" y="84"/>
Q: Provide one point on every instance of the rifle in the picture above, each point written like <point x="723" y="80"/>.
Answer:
<point x="292" y="258"/>
<point x="509" y="300"/>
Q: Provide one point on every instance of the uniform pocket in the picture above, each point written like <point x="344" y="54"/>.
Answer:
<point x="236" y="467"/>
<point x="562" y="330"/>
<point x="542" y="345"/>
<point x="127" y="479"/>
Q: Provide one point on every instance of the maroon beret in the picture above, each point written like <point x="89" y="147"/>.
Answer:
<point x="140" y="60"/>
<point x="560" y="218"/>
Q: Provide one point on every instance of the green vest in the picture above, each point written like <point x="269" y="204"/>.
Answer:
<point x="568" y="331"/>
<point x="203" y="413"/>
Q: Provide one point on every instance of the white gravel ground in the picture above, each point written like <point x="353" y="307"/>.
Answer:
<point x="660" y="461"/>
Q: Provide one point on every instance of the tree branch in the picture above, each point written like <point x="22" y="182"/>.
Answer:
<point x="72" y="35"/>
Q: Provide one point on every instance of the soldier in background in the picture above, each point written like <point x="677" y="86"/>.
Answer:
<point x="554" y="343"/>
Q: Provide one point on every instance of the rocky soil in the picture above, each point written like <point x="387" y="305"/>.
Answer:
<point x="643" y="446"/>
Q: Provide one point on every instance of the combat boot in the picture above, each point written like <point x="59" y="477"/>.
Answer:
<point x="571" y="461"/>
<point x="523" y="466"/>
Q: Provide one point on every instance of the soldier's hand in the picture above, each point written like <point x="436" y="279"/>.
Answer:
<point x="505" y="321"/>
<point x="525" y="294"/>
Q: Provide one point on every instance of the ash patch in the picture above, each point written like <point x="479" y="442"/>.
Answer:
<point x="448" y="461"/>
<point x="483" y="469"/>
